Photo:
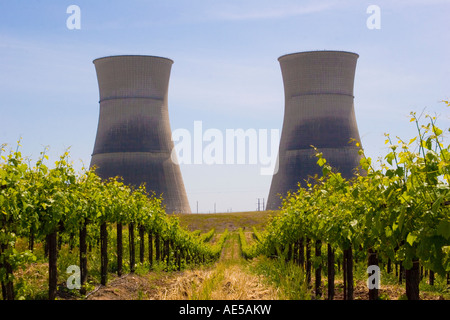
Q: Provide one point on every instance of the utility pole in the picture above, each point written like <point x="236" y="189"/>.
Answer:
<point x="259" y="208"/>
<point x="197" y="206"/>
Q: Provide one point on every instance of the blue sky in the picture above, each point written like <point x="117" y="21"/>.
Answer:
<point x="225" y="72"/>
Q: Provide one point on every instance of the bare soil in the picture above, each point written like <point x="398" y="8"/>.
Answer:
<point x="132" y="287"/>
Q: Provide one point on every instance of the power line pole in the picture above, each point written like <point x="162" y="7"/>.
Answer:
<point x="259" y="203"/>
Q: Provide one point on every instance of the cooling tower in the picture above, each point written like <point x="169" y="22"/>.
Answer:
<point x="318" y="89"/>
<point x="133" y="136"/>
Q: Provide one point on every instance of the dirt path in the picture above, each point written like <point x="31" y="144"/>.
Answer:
<point x="227" y="279"/>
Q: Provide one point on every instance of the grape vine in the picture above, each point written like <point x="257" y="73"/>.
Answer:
<point x="399" y="211"/>
<point x="55" y="205"/>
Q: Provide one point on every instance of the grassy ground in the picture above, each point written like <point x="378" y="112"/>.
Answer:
<point x="289" y="279"/>
<point x="221" y="221"/>
<point x="230" y="278"/>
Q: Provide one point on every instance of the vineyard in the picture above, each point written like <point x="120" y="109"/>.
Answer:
<point x="393" y="216"/>
<point x="55" y="208"/>
<point x="397" y="214"/>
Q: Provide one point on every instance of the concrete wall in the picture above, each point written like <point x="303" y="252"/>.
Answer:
<point x="318" y="88"/>
<point x="133" y="135"/>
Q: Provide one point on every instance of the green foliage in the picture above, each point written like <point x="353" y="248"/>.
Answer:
<point x="288" y="277"/>
<point x="36" y="201"/>
<point x="216" y="249"/>
<point x="401" y="209"/>
<point x="256" y="234"/>
<point x="248" y="251"/>
<point x="208" y="235"/>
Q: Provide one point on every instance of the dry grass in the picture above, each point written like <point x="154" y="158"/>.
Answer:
<point x="187" y="285"/>
<point x="240" y="285"/>
<point x="227" y="279"/>
<point x="249" y="237"/>
<point x="391" y="292"/>
<point x="223" y="282"/>
<point x="132" y="287"/>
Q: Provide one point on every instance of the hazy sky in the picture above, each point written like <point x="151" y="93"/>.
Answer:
<point x="225" y="72"/>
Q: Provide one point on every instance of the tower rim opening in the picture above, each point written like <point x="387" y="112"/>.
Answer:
<point x="315" y="52"/>
<point x="133" y="55"/>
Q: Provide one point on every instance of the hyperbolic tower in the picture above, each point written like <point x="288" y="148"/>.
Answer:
<point x="133" y="136"/>
<point x="319" y="111"/>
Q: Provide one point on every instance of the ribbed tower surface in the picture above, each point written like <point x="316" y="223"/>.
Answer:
<point x="133" y="136"/>
<point x="319" y="111"/>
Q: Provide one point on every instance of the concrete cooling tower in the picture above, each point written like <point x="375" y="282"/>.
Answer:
<point x="318" y="89"/>
<point x="133" y="136"/>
